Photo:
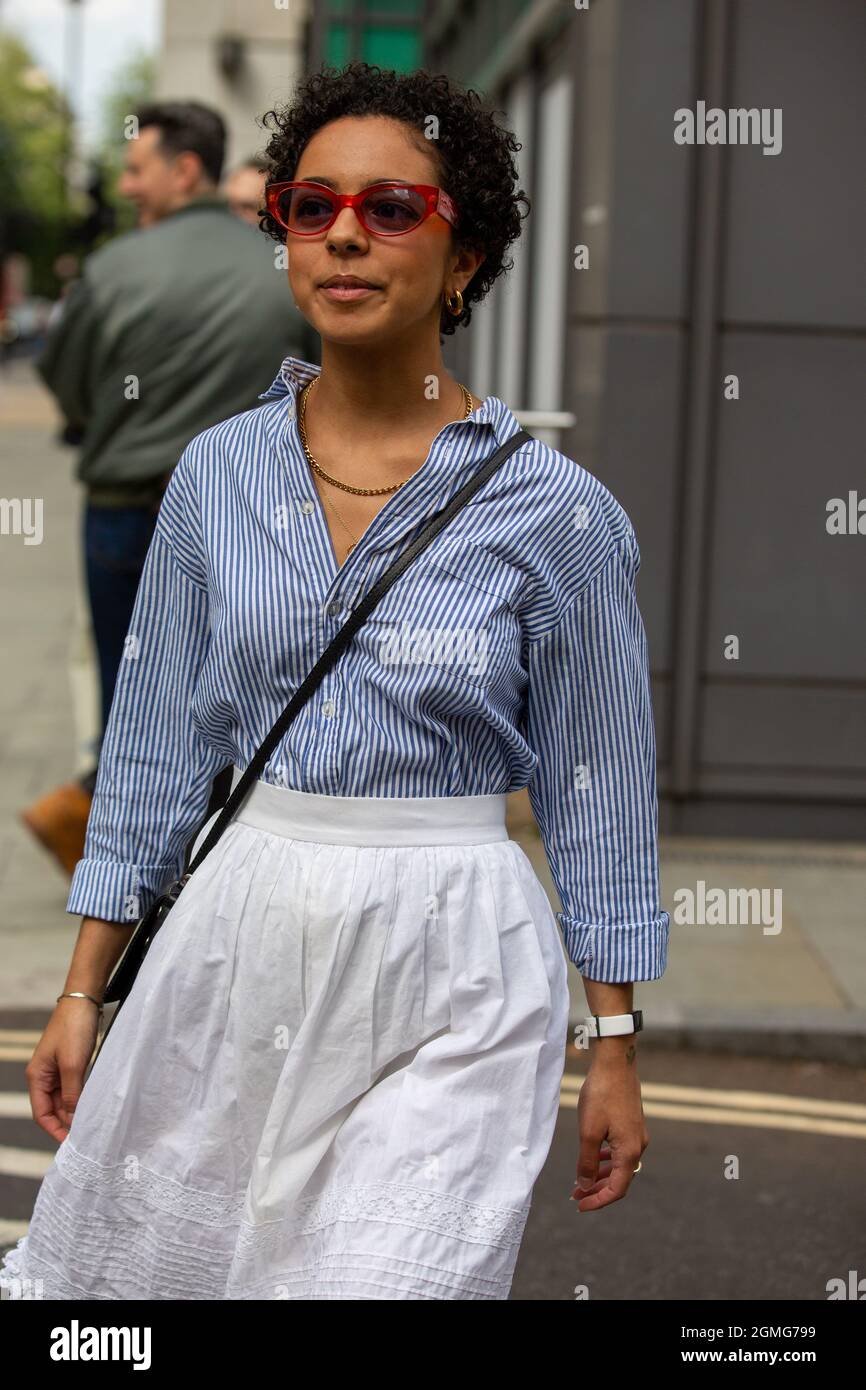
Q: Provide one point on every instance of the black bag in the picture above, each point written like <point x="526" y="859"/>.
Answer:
<point x="129" y="964"/>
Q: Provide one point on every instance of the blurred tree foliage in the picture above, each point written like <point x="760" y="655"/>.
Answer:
<point x="33" y="126"/>
<point x="37" y="215"/>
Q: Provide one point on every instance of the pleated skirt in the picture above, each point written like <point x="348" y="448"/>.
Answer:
<point x="337" y="1074"/>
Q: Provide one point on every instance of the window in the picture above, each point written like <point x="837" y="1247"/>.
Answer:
<point x="386" y="32"/>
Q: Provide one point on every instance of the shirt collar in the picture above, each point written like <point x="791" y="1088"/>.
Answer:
<point x="295" y="373"/>
<point x="424" y="494"/>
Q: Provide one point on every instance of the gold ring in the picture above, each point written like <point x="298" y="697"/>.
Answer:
<point x="638" y="1168"/>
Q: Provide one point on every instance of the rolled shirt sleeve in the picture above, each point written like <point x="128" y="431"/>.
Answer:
<point x="155" y="771"/>
<point x="593" y="794"/>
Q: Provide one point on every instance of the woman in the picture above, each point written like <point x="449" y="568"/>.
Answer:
<point x="337" y="1075"/>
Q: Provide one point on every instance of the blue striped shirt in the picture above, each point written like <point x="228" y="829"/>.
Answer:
<point x="510" y="653"/>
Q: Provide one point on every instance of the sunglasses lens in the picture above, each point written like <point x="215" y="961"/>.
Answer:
<point x="304" y="209"/>
<point x="388" y="211"/>
<point x="393" y="210"/>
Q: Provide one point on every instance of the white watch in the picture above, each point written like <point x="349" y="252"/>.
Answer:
<point x="612" y="1025"/>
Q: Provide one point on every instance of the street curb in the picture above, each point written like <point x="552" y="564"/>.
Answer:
<point x="812" y="1035"/>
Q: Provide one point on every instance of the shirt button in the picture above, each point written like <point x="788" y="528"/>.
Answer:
<point x="328" y="708"/>
<point x="334" y="610"/>
<point x="307" y="505"/>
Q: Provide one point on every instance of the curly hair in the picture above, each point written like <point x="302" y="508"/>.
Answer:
<point x="473" y="154"/>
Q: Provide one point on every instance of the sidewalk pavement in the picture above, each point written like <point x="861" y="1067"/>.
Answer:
<point x="795" y="992"/>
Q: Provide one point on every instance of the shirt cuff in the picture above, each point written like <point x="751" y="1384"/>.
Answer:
<point x="617" y="954"/>
<point x="117" y="892"/>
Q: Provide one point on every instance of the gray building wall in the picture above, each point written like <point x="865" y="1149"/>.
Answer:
<point x="241" y="56"/>
<point x="705" y="261"/>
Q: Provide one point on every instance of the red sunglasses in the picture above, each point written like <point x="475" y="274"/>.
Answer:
<point x="383" y="209"/>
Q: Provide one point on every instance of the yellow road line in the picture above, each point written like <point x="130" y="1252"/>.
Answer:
<point x="745" y="1100"/>
<point x="24" y="1163"/>
<point x="15" y="1105"/>
<point x="749" y="1119"/>
<point x="10" y="1231"/>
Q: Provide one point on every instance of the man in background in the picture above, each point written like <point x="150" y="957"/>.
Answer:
<point x="244" y="189"/>
<point x="171" y="328"/>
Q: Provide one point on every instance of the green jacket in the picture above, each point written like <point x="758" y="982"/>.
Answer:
<point x="170" y="329"/>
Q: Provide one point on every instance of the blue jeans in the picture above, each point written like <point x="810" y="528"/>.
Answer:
<point x="116" y="541"/>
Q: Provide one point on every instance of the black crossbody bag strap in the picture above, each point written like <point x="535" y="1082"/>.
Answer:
<point x="335" y="649"/>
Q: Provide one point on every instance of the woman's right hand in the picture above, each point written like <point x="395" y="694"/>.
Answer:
<point x="55" y="1072"/>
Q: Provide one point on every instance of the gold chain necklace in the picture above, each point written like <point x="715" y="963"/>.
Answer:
<point x="361" y="491"/>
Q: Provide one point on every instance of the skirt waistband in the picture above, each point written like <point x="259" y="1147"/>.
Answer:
<point x="373" y="820"/>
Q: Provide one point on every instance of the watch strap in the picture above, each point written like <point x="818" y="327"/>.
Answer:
<point x="614" y="1025"/>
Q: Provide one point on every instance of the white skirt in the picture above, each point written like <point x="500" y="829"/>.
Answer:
<point x="336" y="1077"/>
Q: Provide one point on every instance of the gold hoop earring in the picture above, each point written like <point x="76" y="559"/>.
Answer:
<point x="458" y="295"/>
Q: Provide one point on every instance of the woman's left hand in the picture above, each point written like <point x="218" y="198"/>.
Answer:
<point x="613" y="1132"/>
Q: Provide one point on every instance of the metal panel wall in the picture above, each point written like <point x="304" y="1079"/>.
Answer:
<point x="707" y="261"/>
